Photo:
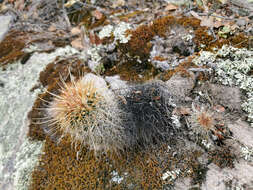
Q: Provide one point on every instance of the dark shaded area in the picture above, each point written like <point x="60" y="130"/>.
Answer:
<point x="149" y="107"/>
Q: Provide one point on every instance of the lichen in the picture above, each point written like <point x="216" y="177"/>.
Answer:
<point x="247" y="153"/>
<point x="232" y="67"/>
<point x="26" y="160"/>
<point x="119" y="32"/>
<point x="106" y="31"/>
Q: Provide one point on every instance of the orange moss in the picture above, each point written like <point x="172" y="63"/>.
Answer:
<point x="189" y="22"/>
<point x="159" y="58"/>
<point x="162" y="25"/>
<point x="139" y="43"/>
<point x="131" y="71"/>
<point x="181" y="69"/>
<point x="222" y="157"/>
<point x="61" y="167"/>
<point x="11" y="47"/>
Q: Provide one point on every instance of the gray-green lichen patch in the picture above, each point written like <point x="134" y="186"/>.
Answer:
<point x="119" y="32"/>
<point x="232" y="68"/>
<point x="18" y="155"/>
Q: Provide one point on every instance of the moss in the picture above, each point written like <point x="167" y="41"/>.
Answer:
<point x="222" y="157"/>
<point x="61" y="167"/>
<point x="132" y="71"/>
<point x="182" y="69"/>
<point x="139" y="42"/>
<point x="11" y="47"/>
<point x="141" y="37"/>
<point x="162" y="25"/>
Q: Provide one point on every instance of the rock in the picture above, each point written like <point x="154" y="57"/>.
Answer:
<point x="183" y="183"/>
<point x="116" y="83"/>
<point x="239" y="177"/>
<point x="5" y="22"/>
<point x="18" y="154"/>
<point x="180" y="86"/>
<point x="242" y="132"/>
<point x="227" y="96"/>
<point x="241" y="22"/>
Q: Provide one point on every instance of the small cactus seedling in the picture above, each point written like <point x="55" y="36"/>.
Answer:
<point x="202" y="121"/>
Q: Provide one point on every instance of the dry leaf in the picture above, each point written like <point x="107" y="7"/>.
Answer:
<point x="182" y="111"/>
<point x="94" y="39"/>
<point x="75" y="31"/>
<point x="118" y="3"/>
<point x="223" y="1"/>
<point x="77" y="43"/>
<point x="52" y="28"/>
<point x="97" y="14"/>
<point x="210" y="21"/>
<point x="170" y="7"/>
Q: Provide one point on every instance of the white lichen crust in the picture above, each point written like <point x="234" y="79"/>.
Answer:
<point x="232" y="67"/>
<point x="18" y="155"/>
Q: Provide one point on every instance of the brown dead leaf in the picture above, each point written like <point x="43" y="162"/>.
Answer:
<point x="170" y="7"/>
<point x="97" y="14"/>
<point x="52" y="28"/>
<point x="182" y="111"/>
<point x="77" y="43"/>
<point x="94" y="39"/>
<point x="207" y="21"/>
<point x="75" y="31"/>
<point x="185" y="111"/>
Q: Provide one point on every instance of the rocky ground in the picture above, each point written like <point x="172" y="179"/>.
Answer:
<point x="169" y="85"/>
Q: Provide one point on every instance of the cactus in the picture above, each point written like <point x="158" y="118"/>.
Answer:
<point x="87" y="111"/>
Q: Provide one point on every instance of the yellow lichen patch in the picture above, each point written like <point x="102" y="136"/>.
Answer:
<point x="11" y="47"/>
